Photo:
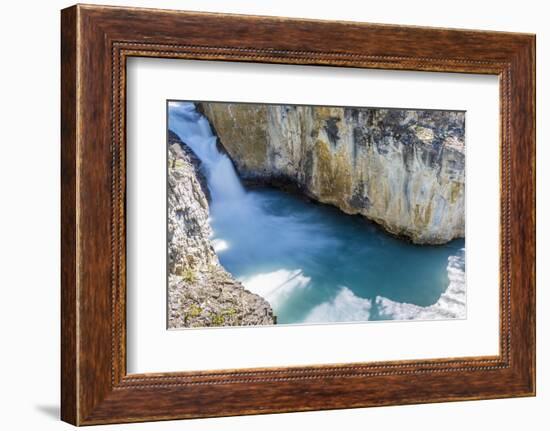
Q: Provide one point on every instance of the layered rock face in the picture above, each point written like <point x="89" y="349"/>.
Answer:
<point x="403" y="169"/>
<point x="200" y="291"/>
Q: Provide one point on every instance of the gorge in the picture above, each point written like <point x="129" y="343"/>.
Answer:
<point x="254" y="254"/>
<point x="403" y="169"/>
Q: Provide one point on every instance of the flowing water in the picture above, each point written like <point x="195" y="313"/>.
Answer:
<point x="310" y="261"/>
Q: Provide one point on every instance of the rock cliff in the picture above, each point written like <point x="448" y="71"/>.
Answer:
<point x="200" y="291"/>
<point x="403" y="169"/>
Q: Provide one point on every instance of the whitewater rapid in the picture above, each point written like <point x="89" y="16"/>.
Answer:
<point x="277" y="246"/>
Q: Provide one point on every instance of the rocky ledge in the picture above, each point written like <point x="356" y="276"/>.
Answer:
<point x="403" y="169"/>
<point x="200" y="291"/>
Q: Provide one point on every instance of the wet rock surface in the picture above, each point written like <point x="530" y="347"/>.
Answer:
<point x="403" y="169"/>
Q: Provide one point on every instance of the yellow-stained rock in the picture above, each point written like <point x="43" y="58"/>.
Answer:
<point x="403" y="169"/>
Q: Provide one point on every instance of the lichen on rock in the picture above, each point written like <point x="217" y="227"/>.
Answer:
<point x="403" y="169"/>
<point x="200" y="291"/>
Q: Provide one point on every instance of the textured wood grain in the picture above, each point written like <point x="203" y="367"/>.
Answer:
<point x="69" y="365"/>
<point x="96" y="41"/>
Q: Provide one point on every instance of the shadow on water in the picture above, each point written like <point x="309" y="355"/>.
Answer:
<point x="311" y="262"/>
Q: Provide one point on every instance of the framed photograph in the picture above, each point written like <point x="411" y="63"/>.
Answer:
<point x="265" y="215"/>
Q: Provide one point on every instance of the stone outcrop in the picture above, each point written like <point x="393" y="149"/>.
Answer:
<point x="200" y="291"/>
<point x="403" y="169"/>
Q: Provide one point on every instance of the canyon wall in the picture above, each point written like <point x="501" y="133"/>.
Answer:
<point x="200" y="291"/>
<point x="403" y="169"/>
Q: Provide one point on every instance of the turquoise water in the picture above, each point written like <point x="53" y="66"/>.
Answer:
<point x="310" y="261"/>
<point x="332" y="250"/>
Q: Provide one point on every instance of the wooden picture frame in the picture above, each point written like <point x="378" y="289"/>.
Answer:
<point x="95" y="43"/>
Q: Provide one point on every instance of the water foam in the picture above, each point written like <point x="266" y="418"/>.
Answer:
<point x="219" y="245"/>
<point x="451" y="304"/>
<point x="344" y="307"/>
<point x="256" y="237"/>
<point x="277" y="286"/>
<point x="194" y="130"/>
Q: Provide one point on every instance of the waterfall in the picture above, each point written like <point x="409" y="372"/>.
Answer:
<point x="195" y="131"/>
<point x="311" y="262"/>
<point x="248" y="229"/>
<point x="231" y="207"/>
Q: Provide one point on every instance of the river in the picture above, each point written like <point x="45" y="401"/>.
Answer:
<point x="312" y="262"/>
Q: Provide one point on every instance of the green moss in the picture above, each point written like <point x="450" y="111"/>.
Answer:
<point x="178" y="163"/>
<point x="189" y="275"/>
<point x="194" y="311"/>
<point x="218" y="320"/>
<point x="226" y="316"/>
<point x="230" y="312"/>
